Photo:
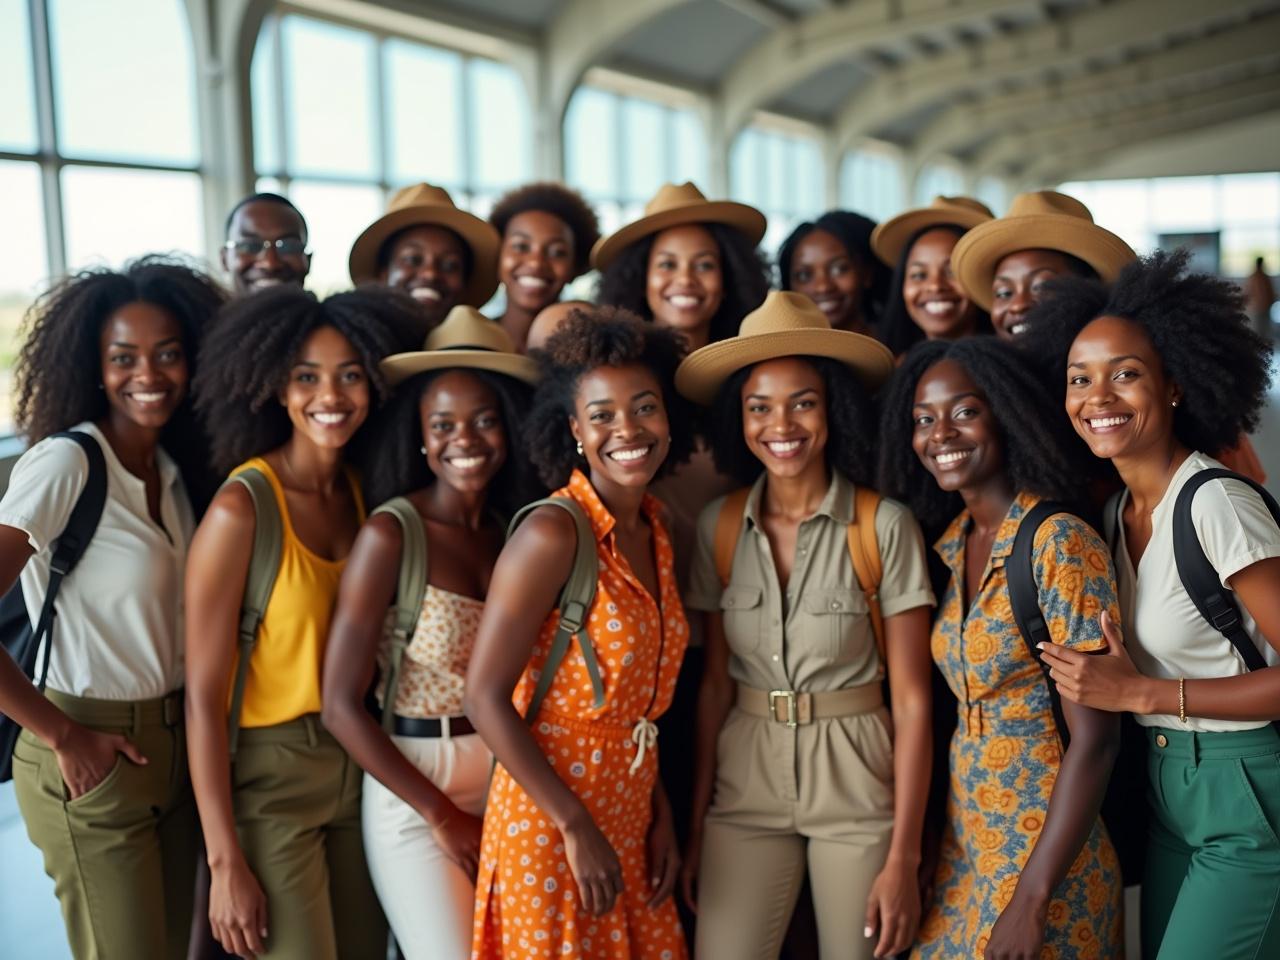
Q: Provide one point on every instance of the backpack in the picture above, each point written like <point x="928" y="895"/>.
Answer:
<point x="21" y="640"/>
<point x="411" y="588"/>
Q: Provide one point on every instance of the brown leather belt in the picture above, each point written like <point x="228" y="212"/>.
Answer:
<point x="797" y="708"/>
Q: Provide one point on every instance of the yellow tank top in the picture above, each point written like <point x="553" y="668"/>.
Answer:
<point x="283" y="682"/>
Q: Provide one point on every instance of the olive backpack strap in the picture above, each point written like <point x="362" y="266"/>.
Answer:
<point x="411" y="588"/>
<point x="576" y="598"/>
<point x="728" y="530"/>
<point x="1199" y="578"/>
<point x="264" y="565"/>
<point x="864" y="551"/>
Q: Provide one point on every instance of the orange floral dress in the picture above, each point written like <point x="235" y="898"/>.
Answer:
<point x="527" y="903"/>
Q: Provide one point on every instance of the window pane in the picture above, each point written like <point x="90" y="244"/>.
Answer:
<point x="871" y="183"/>
<point x="992" y="192"/>
<point x="644" y="132"/>
<point x="264" y="79"/>
<point x="779" y="188"/>
<point x="329" y="98"/>
<point x="18" y="116"/>
<point x="114" y="215"/>
<point x="1183" y="203"/>
<point x="938" y="180"/>
<point x="23" y="267"/>
<point x="745" y="168"/>
<point x="590" y="143"/>
<point x="810" y="180"/>
<point x="1250" y="197"/>
<point x="335" y="216"/>
<point x="690" y="149"/>
<point x="424" y="111"/>
<point x="124" y="84"/>
<point x="499" y="120"/>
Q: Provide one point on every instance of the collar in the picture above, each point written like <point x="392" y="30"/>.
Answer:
<point x="950" y="546"/>
<point x="602" y="521"/>
<point x="837" y="503"/>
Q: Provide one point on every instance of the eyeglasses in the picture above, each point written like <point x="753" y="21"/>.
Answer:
<point x="284" y="247"/>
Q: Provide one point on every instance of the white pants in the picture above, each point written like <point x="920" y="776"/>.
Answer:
<point x="427" y="898"/>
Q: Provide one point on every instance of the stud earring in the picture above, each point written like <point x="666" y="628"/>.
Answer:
<point x="423" y="450"/>
<point x="579" y="448"/>
<point x="1174" y="404"/>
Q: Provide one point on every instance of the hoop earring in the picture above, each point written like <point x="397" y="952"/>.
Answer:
<point x="580" y="448"/>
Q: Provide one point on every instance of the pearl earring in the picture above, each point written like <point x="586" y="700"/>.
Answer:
<point x="579" y="448"/>
<point x="423" y="450"/>
<point x="1174" y="404"/>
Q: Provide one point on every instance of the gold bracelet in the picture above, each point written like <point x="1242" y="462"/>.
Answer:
<point x="1182" y="699"/>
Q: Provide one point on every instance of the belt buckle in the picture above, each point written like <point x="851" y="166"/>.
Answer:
<point x="793" y="714"/>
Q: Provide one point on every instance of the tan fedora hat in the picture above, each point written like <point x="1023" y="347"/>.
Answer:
<point x="466" y="339"/>
<point x="425" y="205"/>
<point x="890" y="238"/>
<point x="1042" y="220"/>
<point x="672" y="206"/>
<point x="787" y="324"/>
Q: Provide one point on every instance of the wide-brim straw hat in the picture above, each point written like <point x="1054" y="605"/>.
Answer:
<point x="672" y="206"/>
<point x="466" y="339"/>
<point x="787" y="324"/>
<point x="890" y="239"/>
<point x="1042" y="220"/>
<point x="423" y="204"/>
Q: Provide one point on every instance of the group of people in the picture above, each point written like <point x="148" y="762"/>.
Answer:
<point x="605" y="629"/>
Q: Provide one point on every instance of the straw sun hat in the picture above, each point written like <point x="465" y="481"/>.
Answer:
<point x="890" y="238"/>
<point x="787" y="324"/>
<point x="673" y="206"/>
<point x="423" y="205"/>
<point x="466" y="339"/>
<point x="1043" y="220"/>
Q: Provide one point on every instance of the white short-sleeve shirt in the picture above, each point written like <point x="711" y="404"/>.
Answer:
<point x="1165" y="634"/>
<point x="118" y="630"/>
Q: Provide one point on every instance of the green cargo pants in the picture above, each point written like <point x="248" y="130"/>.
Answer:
<point x="1212" y="881"/>
<point x="122" y="856"/>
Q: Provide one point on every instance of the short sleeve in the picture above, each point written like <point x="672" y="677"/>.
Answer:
<point x="904" y="579"/>
<point x="43" y="490"/>
<point x="1234" y="526"/>
<point x="1076" y="582"/>
<point x="704" y="583"/>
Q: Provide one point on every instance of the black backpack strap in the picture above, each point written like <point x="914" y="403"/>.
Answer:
<point x="1024" y="597"/>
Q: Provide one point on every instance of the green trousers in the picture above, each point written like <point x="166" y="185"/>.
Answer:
<point x="1212" y="882"/>
<point x="296" y="796"/>
<point x="122" y="856"/>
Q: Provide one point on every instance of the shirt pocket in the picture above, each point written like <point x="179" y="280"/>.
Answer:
<point x="835" y="624"/>
<point x="742" y="608"/>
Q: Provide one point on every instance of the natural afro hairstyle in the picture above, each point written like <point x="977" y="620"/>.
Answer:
<point x="898" y="331"/>
<point x="1197" y="325"/>
<point x="853" y="230"/>
<point x="392" y="463"/>
<point x="588" y="339"/>
<point x="1042" y="455"/>
<point x="59" y="365"/>
<point x="254" y="344"/>
<point x="559" y="201"/>
<point x="850" y="419"/>
<point x="624" y="283"/>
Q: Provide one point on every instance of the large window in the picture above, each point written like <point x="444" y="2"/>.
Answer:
<point x="344" y="116"/>
<point x="780" y="171"/>
<point x="871" y="183"/>
<point x="938" y="179"/>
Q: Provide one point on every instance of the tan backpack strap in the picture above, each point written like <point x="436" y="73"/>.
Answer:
<point x="864" y="551"/>
<point x="411" y="588"/>
<point x="728" y="530"/>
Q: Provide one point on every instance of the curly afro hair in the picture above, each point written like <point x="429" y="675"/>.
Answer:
<point x="898" y="331"/>
<point x="601" y="337"/>
<point x="1042" y="454"/>
<point x="60" y="362"/>
<point x="254" y="344"/>
<point x="853" y="230"/>
<point x="850" y="417"/>
<point x="1198" y="327"/>
<point x="392" y="465"/>
<point x="559" y="201"/>
<point x="746" y="280"/>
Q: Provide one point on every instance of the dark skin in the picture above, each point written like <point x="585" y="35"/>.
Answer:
<point x="616" y="410"/>
<point x="957" y="438"/>
<point x="461" y="420"/>
<point x="1018" y="285"/>
<point x="934" y="300"/>
<point x="265" y="220"/>
<point x="824" y="271"/>
<point x="1121" y="401"/>
<point x="144" y="375"/>
<point x="534" y="264"/>
<point x="428" y="263"/>
<point x="684" y="286"/>
<point x="785" y="426"/>
<point x="327" y="397"/>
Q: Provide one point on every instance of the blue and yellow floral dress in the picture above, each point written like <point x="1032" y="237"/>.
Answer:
<point x="1005" y="753"/>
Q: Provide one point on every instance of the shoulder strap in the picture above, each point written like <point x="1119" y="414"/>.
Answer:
<point x="864" y="551"/>
<point x="411" y="588"/>
<point x="264" y="565"/>
<point x="1024" y="597"/>
<point x="728" y="530"/>
<point x="576" y="598"/>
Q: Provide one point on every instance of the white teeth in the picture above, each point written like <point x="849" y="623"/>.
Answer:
<point x="267" y="282"/>
<point x="466" y="463"/>
<point x="629" y="456"/>
<point x="828" y="306"/>
<point x="1107" y="421"/>
<point x="532" y="283"/>
<point x="953" y="457"/>
<point x="939" y="307"/>
<point x="1018" y="329"/>
<point x="784" y="446"/>
<point x="682" y="302"/>
<point x="429" y="294"/>
<point x="329" y="419"/>
<point x="149" y="397"/>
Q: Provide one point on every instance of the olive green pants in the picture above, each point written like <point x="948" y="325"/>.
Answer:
<point x="1212" y="881"/>
<point x="122" y="856"/>
<point x="296" y="796"/>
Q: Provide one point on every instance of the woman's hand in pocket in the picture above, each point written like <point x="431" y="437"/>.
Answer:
<point x="85" y="757"/>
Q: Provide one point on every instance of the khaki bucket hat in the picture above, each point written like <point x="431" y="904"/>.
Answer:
<point x="890" y="238"/>
<point x="466" y="339"/>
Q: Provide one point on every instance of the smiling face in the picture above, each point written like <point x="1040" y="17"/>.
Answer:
<point x="934" y="300"/>
<point x="144" y="366"/>
<point x="536" y="259"/>
<point x="685" y="282"/>
<point x="784" y="416"/>
<point x="1018" y="286"/>
<point x="429" y="264"/>
<point x="1118" y="396"/>
<point x="954" y="432"/>
<point x="621" y="421"/>
<point x="327" y="396"/>
<point x="823" y="270"/>
<point x="253" y="268"/>
<point x="462" y="430"/>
